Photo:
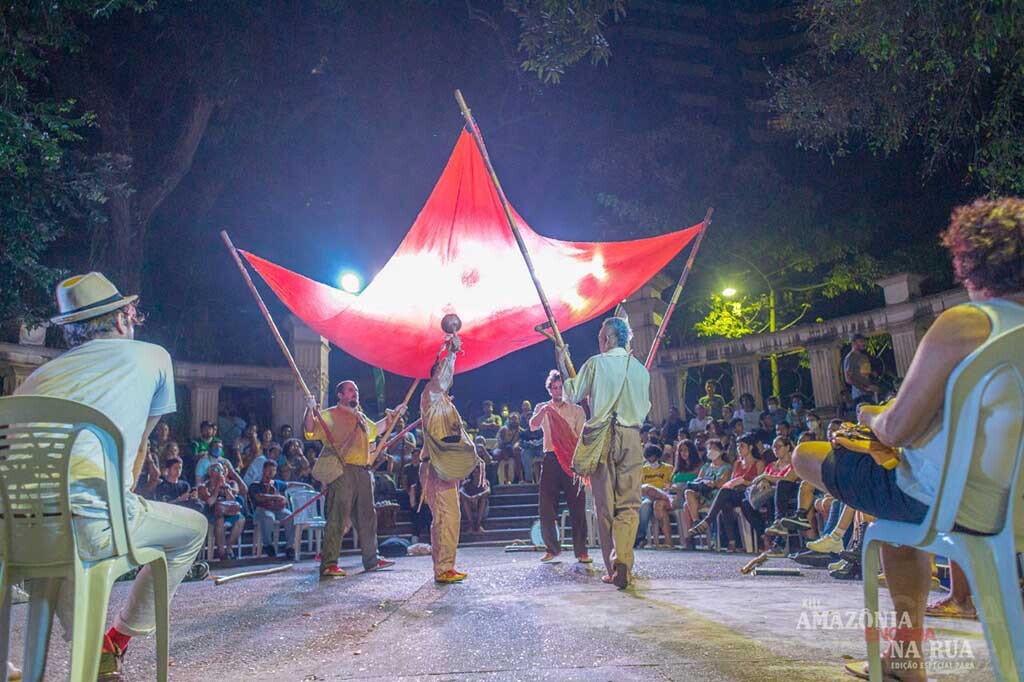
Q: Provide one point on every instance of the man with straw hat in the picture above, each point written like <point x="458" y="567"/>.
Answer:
<point x="131" y="382"/>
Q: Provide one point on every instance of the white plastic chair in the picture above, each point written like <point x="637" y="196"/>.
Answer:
<point x="38" y="539"/>
<point x="309" y="519"/>
<point x="989" y="561"/>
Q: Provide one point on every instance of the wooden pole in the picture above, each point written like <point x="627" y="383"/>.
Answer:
<point x="679" y="289"/>
<point x="478" y="138"/>
<point x="277" y="336"/>
<point x="221" y="579"/>
<point x="390" y="424"/>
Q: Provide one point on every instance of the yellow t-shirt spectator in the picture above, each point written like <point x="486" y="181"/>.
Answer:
<point x="659" y="475"/>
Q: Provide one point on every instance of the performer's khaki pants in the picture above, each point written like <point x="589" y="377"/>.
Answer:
<point x="616" y="486"/>
<point x="353" y="490"/>
<point x="443" y="499"/>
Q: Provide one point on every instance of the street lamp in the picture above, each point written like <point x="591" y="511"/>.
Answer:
<point x="350" y="282"/>
<point x="729" y="292"/>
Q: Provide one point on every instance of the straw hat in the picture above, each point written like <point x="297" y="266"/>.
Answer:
<point x="85" y="296"/>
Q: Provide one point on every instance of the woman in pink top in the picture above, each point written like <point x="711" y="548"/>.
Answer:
<point x="748" y="466"/>
<point x="785" y="482"/>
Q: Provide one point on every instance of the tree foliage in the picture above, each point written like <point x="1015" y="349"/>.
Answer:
<point x="770" y="231"/>
<point x="943" y="76"/>
<point x="556" y="34"/>
<point x="47" y="184"/>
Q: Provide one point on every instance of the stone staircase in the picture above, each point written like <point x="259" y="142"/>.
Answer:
<point x="512" y="513"/>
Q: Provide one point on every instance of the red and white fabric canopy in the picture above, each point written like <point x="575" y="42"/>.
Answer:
<point x="460" y="257"/>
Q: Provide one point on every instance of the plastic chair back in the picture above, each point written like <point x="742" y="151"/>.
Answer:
<point x="35" y="462"/>
<point x="300" y="496"/>
<point x="1001" y="357"/>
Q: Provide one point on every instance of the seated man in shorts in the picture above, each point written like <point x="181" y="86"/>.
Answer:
<point x="986" y="240"/>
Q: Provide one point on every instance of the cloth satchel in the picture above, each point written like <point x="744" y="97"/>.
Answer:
<point x="329" y="466"/>
<point x="595" y="441"/>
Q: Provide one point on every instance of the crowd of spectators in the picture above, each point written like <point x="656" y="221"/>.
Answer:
<point x="726" y="461"/>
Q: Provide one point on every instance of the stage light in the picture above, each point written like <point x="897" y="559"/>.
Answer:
<point x="728" y="292"/>
<point x="350" y="282"/>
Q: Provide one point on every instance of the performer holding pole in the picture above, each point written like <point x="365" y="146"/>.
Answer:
<point x="562" y="422"/>
<point x="346" y="476"/>
<point x="447" y="457"/>
<point x="609" y="451"/>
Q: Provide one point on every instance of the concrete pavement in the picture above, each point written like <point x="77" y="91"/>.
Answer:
<point x="689" y="616"/>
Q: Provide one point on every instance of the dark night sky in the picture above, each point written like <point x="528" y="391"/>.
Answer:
<point x="341" y="191"/>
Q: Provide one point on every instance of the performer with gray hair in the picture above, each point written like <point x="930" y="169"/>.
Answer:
<point x="609" y="451"/>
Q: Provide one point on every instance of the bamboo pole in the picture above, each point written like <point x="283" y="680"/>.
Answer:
<point x="390" y="424"/>
<point x="478" y="138"/>
<point x="394" y="439"/>
<point x="679" y="289"/>
<point x="277" y="336"/>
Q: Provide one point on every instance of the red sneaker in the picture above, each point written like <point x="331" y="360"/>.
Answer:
<point x="449" y="577"/>
<point x="332" y="571"/>
<point x="381" y="565"/>
<point x="584" y="559"/>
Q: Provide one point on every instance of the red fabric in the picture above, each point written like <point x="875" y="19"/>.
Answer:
<point x="563" y="440"/>
<point x="460" y="257"/>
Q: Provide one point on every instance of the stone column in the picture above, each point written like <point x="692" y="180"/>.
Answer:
<point x="205" y="399"/>
<point x="746" y="378"/>
<point x="905" y="338"/>
<point x="826" y="374"/>
<point x="659" y="396"/>
<point x="672" y="389"/>
<point x="287" y="405"/>
<point x="311" y="352"/>
<point x="645" y="310"/>
<point x="13" y="376"/>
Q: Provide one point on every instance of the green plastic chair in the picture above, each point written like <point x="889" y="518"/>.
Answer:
<point x="989" y="561"/>
<point x="38" y="540"/>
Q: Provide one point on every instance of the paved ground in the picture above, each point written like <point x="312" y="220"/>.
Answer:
<point x="690" y="616"/>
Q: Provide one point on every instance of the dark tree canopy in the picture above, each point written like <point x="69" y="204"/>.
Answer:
<point x="945" y="77"/>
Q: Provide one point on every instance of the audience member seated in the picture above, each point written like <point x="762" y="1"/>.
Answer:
<point x="230" y="426"/>
<point x="474" y="496"/>
<point x="779" y="499"/>
<point x="748" y="412"/>
<point x="222" y="505"/>
<point x="161" y="435"/>
<point x="507" y="452"/>
<point x="488" y="423"/>
<point x="672" y="425"/>
<point x="419" y="514"/>
<point x="699" y="422"/>
<point x="216" y="455"/>
<point x="749" y="465"/>
<point x="701" y="492"/>
<point x="284" y="433"/>
<point x="174" y="490"/>
<point x="711" y="401"/>
<point x="269" y="505"/>
<point x="531" y="445"/>
<point x="654" y="491"/>
<point x="765" y="431"/>
<point x="797" y="413"/>
<point x="776" y="411"/>
<point x="686" y="469"/>
<point x="986" y="240"/>
<point x="814" y="425"/>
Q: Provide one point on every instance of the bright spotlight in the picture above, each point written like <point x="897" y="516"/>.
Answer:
<point x="350" y="282"/>
<point x="728" y="292"/>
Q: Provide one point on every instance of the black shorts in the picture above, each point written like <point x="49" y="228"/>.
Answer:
<point x="857" y="480"/>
